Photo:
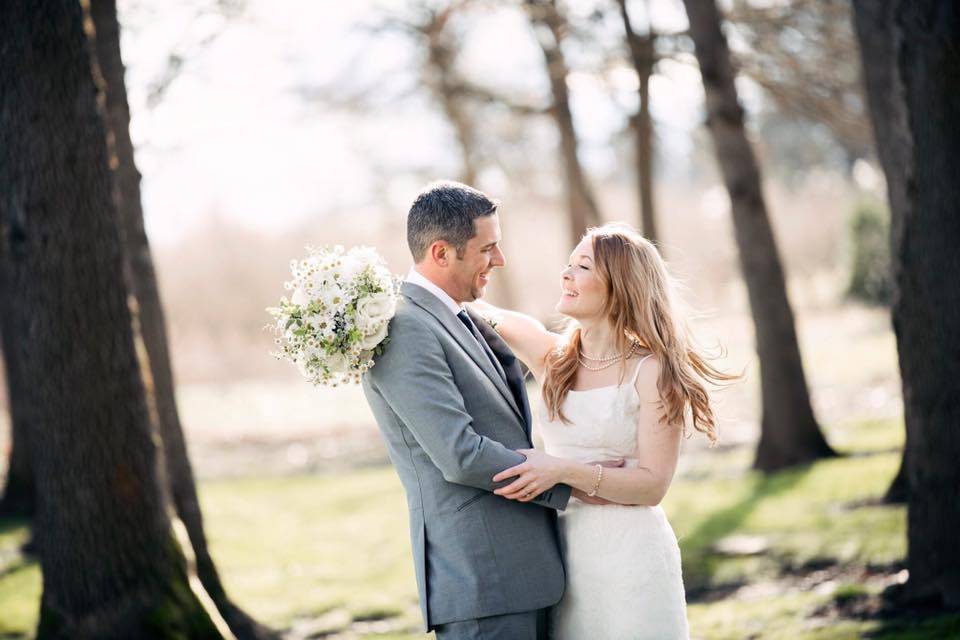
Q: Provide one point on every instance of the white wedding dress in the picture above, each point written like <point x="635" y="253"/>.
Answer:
<point x="622" y="562"/>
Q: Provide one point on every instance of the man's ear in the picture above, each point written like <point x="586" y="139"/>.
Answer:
<point x="440" y="253"/>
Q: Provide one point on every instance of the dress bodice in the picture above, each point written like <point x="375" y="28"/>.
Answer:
<point x="602" y="422"/>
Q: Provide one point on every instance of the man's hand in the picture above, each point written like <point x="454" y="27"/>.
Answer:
<point x="538" y="473"/>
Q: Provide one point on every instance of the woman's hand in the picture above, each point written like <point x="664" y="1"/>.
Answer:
<point x="538" y="473"/>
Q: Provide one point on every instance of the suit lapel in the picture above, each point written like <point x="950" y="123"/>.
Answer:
<point x="429" y="302"/>
<point x="511" y="366"/>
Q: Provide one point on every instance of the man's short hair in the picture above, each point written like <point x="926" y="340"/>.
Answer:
<point x="445" y="211"/>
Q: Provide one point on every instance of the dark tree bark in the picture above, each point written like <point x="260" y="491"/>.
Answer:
<point x="911" y="58"/>
<point x="789" y="432"/>
<point x="18" y="494"/>
<point x="643" y="57"/>
<point x="111" y="565"/>
<point x="149" y="317"/>
<point x="549" y="26"/>
<point x="873" y="22"/>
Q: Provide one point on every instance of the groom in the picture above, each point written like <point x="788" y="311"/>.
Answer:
<point x="449" y="398"/>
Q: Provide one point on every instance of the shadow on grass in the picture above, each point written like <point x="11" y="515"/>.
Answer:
<point x="918" y="627"/>
<point x="10" y="524"/>
<point x="700" y="560"/>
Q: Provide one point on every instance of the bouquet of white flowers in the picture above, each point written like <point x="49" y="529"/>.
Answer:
<point x="336" y="319"/>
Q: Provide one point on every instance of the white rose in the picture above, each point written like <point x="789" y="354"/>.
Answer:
<point x="337" y="363"/>
<point x="373" y="311"/>
<point x="375" y="337"/>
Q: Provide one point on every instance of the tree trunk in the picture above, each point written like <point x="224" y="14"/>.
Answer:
<point x="447" y="90"/>
<point x="149" y="317"/>
<point x="926" y="314"/>
<point x="642" y="54"/>
<point x="441" y="54"/>
<point x="918" y="133"/>
<point x="18" y="494"/>
<point x="581" y="205"/>
<point x="111" y="565"/>
<point x="789" y="432"/>
<point x="873" y="22"/>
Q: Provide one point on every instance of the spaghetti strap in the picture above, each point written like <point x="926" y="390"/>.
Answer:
<point x="636" y="370"/>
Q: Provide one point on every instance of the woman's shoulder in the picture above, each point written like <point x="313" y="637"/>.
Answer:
<point x="647" y="374"/>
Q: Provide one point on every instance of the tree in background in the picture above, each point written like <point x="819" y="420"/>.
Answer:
<point x="110" y="561"/>
<point x="432" y="30"/>
<point x="643" y="57"/>
<point x="440" y="75"/>
<point x="803" y="54"/>
<point x="789" y="433"/>
<point x="911" y="65"/>
<point x="549" y="26"/>
<point x="149" y="323"/>
<point x="882" y="83"/>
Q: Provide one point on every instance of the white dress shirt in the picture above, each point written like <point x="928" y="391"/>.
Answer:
<point x="417" y="278"/>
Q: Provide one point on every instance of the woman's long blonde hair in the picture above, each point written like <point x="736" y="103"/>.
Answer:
<point x="640" y="307"/>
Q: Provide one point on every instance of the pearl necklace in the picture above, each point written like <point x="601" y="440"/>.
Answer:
<point x="615" y="356"/>
<point x="607" y="362"/>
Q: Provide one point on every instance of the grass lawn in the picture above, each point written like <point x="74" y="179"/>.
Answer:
<point x="331" y="552"/>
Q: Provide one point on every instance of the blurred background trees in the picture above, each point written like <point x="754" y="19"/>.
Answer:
<point x="261" y="130"/>
<point x="789" y="433"/>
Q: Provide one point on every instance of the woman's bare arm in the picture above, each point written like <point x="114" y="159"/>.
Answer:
<point x="658" y="448"/>
<point x="525" y="335"/>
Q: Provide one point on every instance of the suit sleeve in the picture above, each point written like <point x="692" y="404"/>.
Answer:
<point x="414" y="379"/>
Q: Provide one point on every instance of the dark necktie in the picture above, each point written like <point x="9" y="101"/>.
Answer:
<point x="472" y="328"/>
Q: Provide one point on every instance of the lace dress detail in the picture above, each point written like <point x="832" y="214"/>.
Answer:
<point x="622" y="562"/>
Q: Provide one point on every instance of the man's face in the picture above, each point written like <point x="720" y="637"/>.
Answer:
<point x="470" y="274"/>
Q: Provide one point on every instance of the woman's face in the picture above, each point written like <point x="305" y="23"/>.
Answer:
<point x="583" y="292"/>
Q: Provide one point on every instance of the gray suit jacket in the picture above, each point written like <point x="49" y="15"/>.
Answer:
<point x="451" y="423"/>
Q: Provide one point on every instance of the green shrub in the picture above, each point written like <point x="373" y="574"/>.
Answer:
<point x="870" y="277"/>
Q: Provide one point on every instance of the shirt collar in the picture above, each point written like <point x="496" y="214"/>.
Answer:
<point x="417" y="278"/>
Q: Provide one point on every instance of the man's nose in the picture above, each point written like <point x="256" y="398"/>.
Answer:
<point x="498" y="259"/>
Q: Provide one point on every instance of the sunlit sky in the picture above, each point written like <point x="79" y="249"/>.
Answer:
<point x="232" y="136"/>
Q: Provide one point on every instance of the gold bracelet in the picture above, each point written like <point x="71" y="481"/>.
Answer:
<point x="596" y="485"/>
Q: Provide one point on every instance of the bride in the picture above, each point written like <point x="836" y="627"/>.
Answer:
<point x="617" y="386"/>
